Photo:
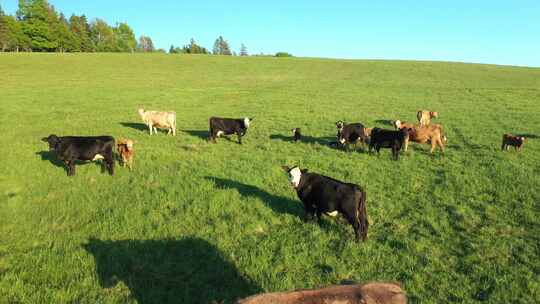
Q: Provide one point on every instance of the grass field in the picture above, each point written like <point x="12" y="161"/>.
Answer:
<point x="196" y="222"/>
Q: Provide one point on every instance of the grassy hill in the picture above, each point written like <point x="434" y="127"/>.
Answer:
<point x="196" y="222"/>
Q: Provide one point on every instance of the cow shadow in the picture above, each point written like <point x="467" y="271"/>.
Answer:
<point x="277" y="203"/>
<point x="467" y="142"/>
<point x="51" y="157"/>
<point x="188" y="270"/>
<point x="386" y="122"/>
<point x="202" y="134"/>
<point x="135" y="125"/>
<point x="326" y="141"/>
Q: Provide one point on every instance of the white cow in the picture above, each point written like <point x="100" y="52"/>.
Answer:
<point x="159" y="119"/>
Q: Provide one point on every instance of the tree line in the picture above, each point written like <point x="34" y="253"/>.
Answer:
<point x="38" y="27"/>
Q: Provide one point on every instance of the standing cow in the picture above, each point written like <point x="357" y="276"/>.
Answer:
<point x="69" y="149"/>
<point x="228" y="126"/>
<point x="159" y="119"/>
<point x="322" y="194"/>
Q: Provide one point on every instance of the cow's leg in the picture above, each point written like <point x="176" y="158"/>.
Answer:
<point x="109" y="161"/>
<point x="503" y="146"/>
<point x="239" y="134"/>
<point x="352" y="218"/>
<point x="155" y="130"/>
<point x="71" y="167"/>
<point x="395" y="152"/>
<point x="310" y="212"/>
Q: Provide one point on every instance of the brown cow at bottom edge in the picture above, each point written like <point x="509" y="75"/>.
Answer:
<point x="370" y="293"/>
<point x="126" y="152"/>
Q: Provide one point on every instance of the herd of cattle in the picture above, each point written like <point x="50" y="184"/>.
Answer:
<point x="320" y="194"/>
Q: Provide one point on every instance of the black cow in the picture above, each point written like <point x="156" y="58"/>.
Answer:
<point x="350" y="133"/>
<point x="228" y="126"/>
<point x="72" y="148"/>
<point x="395" y="140"/>
<point x="322" y="194"/>
<point x="296" y="134"/>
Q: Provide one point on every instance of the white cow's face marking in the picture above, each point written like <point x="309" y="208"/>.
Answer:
<point x="294" y="176"/>
<point x="333" y="213"/>
<point x="246" y="122"/>
<point x="98" y="157"/>
<point x="342" y="140"/>
<point x="397" y="124"/>
<point x="219" y="133"/>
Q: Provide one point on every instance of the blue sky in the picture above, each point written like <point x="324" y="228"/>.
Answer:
<point x="500" y="32"/>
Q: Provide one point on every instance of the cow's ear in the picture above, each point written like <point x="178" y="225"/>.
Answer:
<point x="45" y="139"/>
<point x="251" y="119"/>
<point x="285" y="168"/>
<point x="304" y="171"/>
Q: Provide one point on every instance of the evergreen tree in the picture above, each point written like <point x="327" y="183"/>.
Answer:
<point x="221" y="47"/>
<point x="243" y="50"/>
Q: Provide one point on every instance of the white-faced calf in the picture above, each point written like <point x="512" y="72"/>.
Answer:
<point x="321" y="194"/>
<point x="296" y="134"/>
<point x="512" y="140"/>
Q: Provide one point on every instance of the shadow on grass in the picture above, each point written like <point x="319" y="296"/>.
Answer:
<point x="135" y="125"/>
<point x="386" y="122"/>
<point x="51" y="157"/>
<point x="189" y="270"/>
<point x="466" y="141"/>
<point x="277" y="203"/>
<point x="202" y="134"/>
<point x="326" y="141"/>
<point x="528" y="135"/>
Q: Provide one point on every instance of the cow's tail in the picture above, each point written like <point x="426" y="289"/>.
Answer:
<point x="362" y="214"/>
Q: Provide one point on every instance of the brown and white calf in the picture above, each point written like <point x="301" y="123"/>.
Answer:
<point x="126" y="152"/>
<point x="159" y="119"/>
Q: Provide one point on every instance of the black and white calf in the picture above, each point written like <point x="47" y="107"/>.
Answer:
<point x="322" y="194"/>
<point x="72" y="148"/>
<point x="395" y="140"/>
<point x="228" y="126"/>
<point x="350" y="133"/>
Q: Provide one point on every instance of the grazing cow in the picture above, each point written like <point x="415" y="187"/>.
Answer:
<point x="321" y="194"/>
<point x="512" y="140"/>
<point x="394" y="140"/>
<point x="228" y="126"/>
<point x="424" y="117"/>
<point x="296" y="134"/>
<point x="159" y="119"/>
<point x="350" y="133"/>
<point x="126" y="152"/>
<point x="432" y="134"/>
<point x="72" y="148"/>
<point x="370" y="293"/>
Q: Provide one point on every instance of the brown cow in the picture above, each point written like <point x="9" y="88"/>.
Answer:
<point x="512" y="140"/>
<point x="425" y="134"/>
<point x="424" y="117"/>
<point x="125" y="149"/>
<point x="370" y="293"/>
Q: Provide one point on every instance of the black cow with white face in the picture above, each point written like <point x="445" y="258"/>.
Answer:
<point x="322" y="194"/>
<point x="69" y="149"/>
<point x="228" y="126"/>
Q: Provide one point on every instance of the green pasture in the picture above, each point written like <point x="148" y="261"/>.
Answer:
<point x="196" y="222"/>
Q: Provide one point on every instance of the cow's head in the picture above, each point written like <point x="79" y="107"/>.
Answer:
<point x="295" y="173"/>
<point x="140" y="111"/>
<point x="52" y="140"/>
<point x="247" y="121"/>
<point x="339" y="124"/>
<point x="434" y="114"/>
<point x="295" y="131"/>
<point x="397" y="124"/>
